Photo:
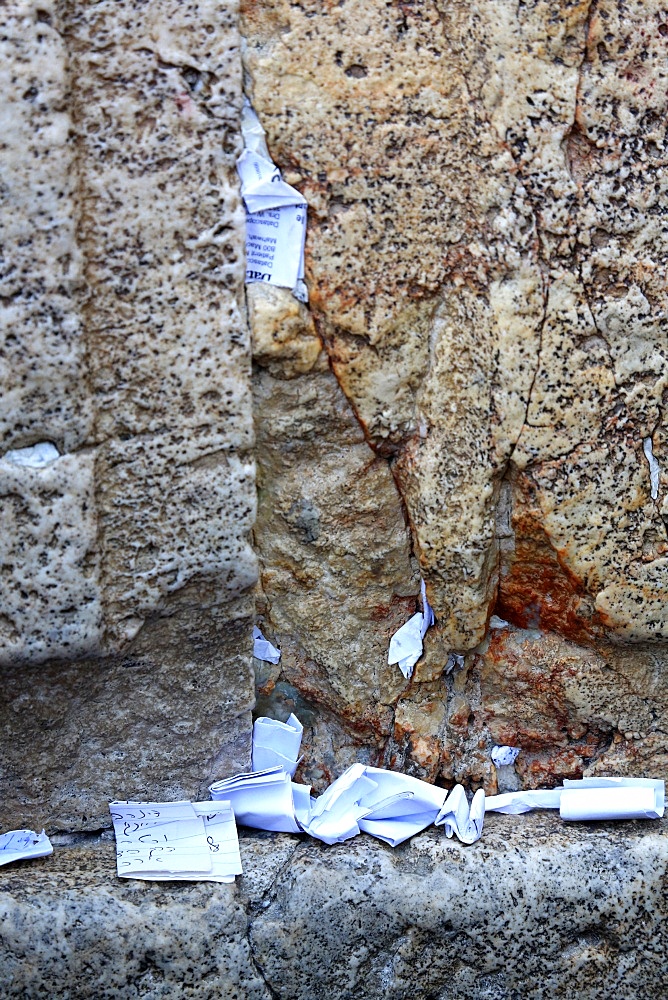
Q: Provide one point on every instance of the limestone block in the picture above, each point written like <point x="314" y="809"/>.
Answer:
<point x="163" y="719"/>
<point x="51" y="601"/>
<point x="486" y="261"/>
<point x="42" y="358"/>
<point x="336" y="573"/>
<point x="172" y="512"/>
<point x="538" y="908"/>
<point x="162" y="224"/>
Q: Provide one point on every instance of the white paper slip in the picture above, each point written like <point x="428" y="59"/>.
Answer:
<point x="276" y="213"/>
<point x="37" y="456"/>
<point x="18" y="845"/>
<point x="176" y="840"/>
<point x="264" y="800"/>
<point x="612" y="798"/>
<point x="263" y="649"/>
<point x="385" y="804"/>
<point x="336" y="813"/>
<point x="589" y="799"/>
<point x="406" y="643"/>
<point x="276" y="744"/>
<point x="458" y="818"/>
<point x="514" y="803"/>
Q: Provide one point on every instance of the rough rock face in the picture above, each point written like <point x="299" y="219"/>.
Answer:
<point x="539" y="909"/>
<point x="486" y="260"/>
<point x="126" y="568"/>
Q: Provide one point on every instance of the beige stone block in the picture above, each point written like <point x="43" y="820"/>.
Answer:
<point x="173" y="511"/>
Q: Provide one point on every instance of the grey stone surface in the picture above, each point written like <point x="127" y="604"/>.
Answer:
<point x="536" y="909"/>
<point x="126" y="570"/>
<point x="162" y="720"/>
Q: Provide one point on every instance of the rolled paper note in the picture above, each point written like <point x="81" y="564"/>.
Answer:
<point x="277" y="744"/>
<point x="606" y="799"/>
<point x="263" y="649"/>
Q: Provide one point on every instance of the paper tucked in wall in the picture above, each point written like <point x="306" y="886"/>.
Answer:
<point x="406" y="643"/>
<point x="266" y="800"/>
<point x="263" y="649"/>
<point x="18" y="845"/>
<point x="276" y="213"/>
<point x="37" y="456"/>
<point x="276" y="744"/>
<point x="589" y="799"/>
<point x="176" y="840"/>
<point x="503" y="756"/>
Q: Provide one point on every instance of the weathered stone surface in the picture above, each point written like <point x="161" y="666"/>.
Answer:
<point x="538" y="908"/>
<point x="336" y="573"/>
<point x="486" y="266"/>
<point x="162" y="720"/>
<point x="127" y="572"/>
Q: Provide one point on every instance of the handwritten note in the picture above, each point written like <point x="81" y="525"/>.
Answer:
<point x="176" y="840"/>
<point x="18" y="845"/>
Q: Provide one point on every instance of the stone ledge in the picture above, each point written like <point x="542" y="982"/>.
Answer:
<point x="536" y="909"/>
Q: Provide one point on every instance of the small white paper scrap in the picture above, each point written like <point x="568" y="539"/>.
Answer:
<point x="38" y="456"/>
<point x="266" y="800"/>
<point x="458" y="818"/>
<point x="277" y="744"/>
<point x="503" y="756"/>
<point x="406" y="643"/>
<point x="263" y="649"/>
<point x="276" y="213"/>
<point x="193" y="841"/>
<point x="18" y="845"/>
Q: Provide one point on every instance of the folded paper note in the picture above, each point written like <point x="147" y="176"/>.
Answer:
<point x="276" y="212"/>
<point x="390" y="806"/>
<point x="19" y="845"/>
<point x="458" y="818"/>
<point x="503" y="756"/>
<point x="266" y="800"/>
<point x="263" y="649"/>
<point x="612" y="798"/>
<point x="277" y="744"/>
<point x="406" y="643"/>
<point x="176" y="840"/>
<point x="589" y="799"/>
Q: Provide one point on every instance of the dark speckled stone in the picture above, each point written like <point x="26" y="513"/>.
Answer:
<point x="538" y="909"/>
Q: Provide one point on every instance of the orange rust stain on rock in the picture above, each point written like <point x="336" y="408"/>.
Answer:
<point x="536" y="588"/>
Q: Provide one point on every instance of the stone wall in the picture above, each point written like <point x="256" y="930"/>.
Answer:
<point x="486" y="259"/>
<point x="126" y="567"/>
<point x="474" y="394"/>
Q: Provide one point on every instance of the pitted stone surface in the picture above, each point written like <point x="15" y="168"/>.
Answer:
<point x="127" y="570"/>
<point x="486" y="260"/>
<point x="537" y="908"/>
